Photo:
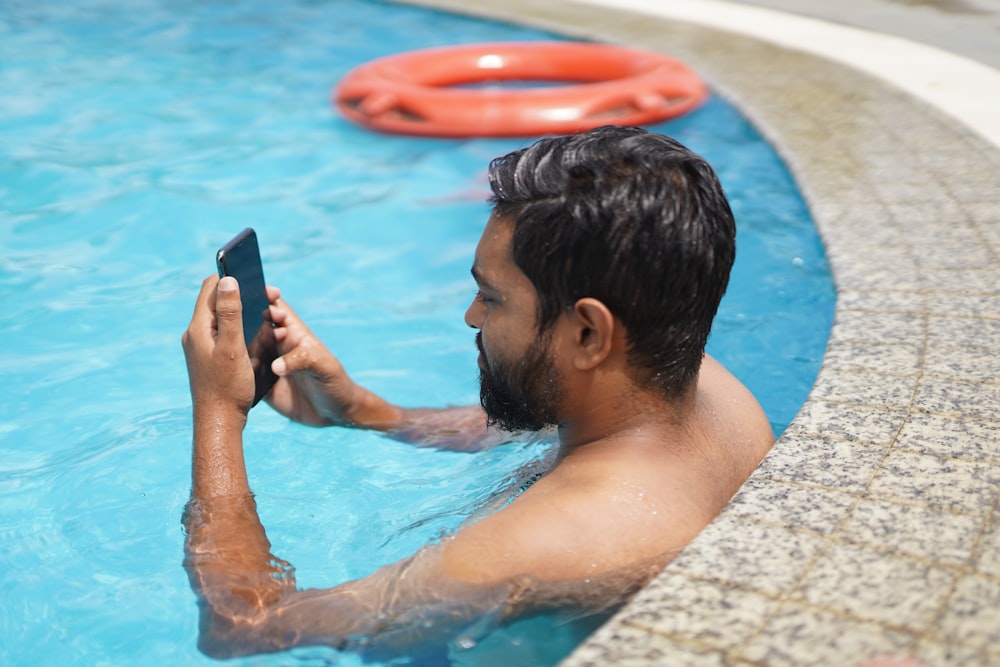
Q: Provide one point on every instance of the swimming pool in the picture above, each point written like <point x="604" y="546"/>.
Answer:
<point x="131" y="147"/>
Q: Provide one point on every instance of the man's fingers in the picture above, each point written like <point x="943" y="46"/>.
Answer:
<point x="204" y="306"/>
<point x="284" y="316"/>
<point x="290" y="314"/>
<point x="203" y="318"/>
<point x="278" y="315"/>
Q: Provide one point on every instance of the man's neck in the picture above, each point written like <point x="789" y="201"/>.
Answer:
<point x="632" y="415"/>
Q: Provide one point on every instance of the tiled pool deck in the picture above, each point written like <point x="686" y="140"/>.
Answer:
<point x="873" y="527"/>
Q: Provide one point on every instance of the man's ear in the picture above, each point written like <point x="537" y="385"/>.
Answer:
<point x="594" y="332"/>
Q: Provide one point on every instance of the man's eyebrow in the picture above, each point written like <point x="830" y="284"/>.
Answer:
<point x="477" y="275"/>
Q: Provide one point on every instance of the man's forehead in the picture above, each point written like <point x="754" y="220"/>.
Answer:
<point x="493" y="253"/>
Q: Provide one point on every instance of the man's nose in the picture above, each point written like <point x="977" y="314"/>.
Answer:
<point x="474" y="314"/>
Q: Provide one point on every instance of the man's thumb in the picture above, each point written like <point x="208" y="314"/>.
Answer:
<point x="297" y="359"/>
<point x="229" y="310"/>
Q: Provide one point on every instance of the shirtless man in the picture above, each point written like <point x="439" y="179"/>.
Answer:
<point x="599" y="273"/>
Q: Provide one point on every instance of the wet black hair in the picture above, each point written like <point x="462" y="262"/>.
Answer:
<point x="633" y="219"/>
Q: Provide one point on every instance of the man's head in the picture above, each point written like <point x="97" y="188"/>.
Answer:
<point x="629" y="218"/>
<point x="520" y="385"/>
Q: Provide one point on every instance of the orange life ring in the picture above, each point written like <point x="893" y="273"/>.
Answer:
<point x="419" y="92"/>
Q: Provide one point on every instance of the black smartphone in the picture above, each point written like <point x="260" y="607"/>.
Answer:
<point x="240" y="258"/>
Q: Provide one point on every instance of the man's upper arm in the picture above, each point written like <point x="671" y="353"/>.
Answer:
<point x="564" y="550"/>
<point x="554" y="534"/>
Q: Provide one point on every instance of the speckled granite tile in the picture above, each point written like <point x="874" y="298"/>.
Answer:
<point x="975" y="280"/>
<point x="962" y="398"/>
<point x="854" y="276"/>
<point x="962" y="305"/>
<point x="924" y="217"/>
<point x="945" y="157"/>
<point x="951" y="484"/>
<point x="791" y="505"/>
<point x="985" y="214"/>
<point x="952" y="231"/>
<point x="988" y="552"/>
<point x="823" y="461"/>
<point x="843" y="241"/>
<point x="920" y="187"/>
<point x="840" y="214"/>
<point x="858" y="234"/>
<point x="878" y="158"/>
<point x="885" y="328"/>
<point x="968" y="363"/>
<point x="870" y="585"/>
<point x="951" y="436"/>
<point x="972" y="615"/>
<point x="908" y="191"/>
<point x="953" y="254"/>
<point x="992" y="655"/>
<point x="881" y="300"/>
<point x="984" y="206"/>
<point x="966" y="180"/>
<point x="910" y="530"/>
<point x="622" y="645"/>
<point x="754" y="556"/>
<point x="869" y="389"/>
<point x="889" y="358"/>
<point x="730" y="617"/>
<point x="973" y="332"/>
<point x="934" y="654"/>
<point x="850" y="422"/>
<point x="799" y="636"/>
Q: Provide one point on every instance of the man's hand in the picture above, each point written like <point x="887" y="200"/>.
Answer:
<point x="313" y="387"/>
<point x="222" y="381"/>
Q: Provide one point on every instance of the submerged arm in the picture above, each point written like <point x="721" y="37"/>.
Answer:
<point x="249" y="603"/>
<point x="461" y="588"/>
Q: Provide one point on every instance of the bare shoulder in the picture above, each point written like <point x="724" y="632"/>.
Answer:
<point x="738" y="417"/>
<point x="571" y="526"/>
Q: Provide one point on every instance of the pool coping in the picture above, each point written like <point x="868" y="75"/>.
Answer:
<point x="873" y="526"/>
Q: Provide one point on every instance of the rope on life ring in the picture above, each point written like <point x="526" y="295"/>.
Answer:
<point x="420" y="93"/>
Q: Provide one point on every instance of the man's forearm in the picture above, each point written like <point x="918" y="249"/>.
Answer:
<point x="236" y="578"/>
<point x="228" y="555"/>
<point x="456" y="428"/>
<point x="217" y="466"/>
<point x="451" y="428"/>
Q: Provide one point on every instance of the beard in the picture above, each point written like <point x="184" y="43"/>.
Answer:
<point x="522" y="395"/>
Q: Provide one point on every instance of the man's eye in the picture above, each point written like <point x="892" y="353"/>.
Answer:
<point x="485" y="299"/>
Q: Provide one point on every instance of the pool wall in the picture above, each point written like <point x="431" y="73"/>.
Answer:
<point x="873" y="527"/>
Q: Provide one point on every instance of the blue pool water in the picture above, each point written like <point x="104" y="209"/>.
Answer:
<point x="132" y="145"/>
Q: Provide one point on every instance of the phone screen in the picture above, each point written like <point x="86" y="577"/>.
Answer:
<point x="240" y="258"/>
